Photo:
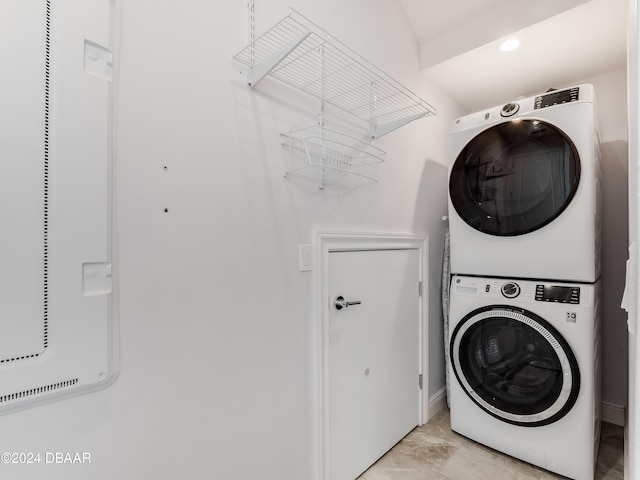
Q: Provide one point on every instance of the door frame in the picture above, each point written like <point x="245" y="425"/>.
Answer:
<point x="326" y="242"/>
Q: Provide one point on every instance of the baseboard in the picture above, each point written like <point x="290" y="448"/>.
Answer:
<point x="611" y="413"/>
<point x="437" y="401"/>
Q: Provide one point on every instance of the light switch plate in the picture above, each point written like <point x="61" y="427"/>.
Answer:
<point x="306" y="258"/>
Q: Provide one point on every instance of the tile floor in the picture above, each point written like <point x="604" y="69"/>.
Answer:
<point x="434" y="452"/>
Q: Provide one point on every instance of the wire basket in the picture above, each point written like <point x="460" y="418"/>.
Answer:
<point x="324" y="158"/>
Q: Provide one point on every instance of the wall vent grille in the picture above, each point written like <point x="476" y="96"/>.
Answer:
<point x="47" y="75"/>
<point x="37" y="391"/>
<point x="45" y="286"/>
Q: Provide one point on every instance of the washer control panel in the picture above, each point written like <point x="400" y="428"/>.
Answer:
<point x="523" y="293"/>
<point x="557" y="294"/>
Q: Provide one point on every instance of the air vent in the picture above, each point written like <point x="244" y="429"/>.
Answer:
<point x="58" y="321"/>
<point x="47" y="78"/>
<point x="37" y="391"/>
<point x="13" y="357"/>
<point x="23" y="357"/>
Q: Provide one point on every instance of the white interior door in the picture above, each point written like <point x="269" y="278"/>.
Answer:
<point x="373" y="356"/>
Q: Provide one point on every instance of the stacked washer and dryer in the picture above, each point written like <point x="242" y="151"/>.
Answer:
<point x="525" y="313"/>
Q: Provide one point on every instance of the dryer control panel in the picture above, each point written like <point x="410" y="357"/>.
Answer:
<point x="523" y="107"/>
<point x="557" y="97"/>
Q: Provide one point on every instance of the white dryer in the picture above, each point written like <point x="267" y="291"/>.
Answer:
<point x="525" y="370"/>
<point x="524" y="189"/>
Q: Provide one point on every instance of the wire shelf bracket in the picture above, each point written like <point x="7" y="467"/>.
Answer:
<point x="258" y="72"/>
<point x="301" y="54"/>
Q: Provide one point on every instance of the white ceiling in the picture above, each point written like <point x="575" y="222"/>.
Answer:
<point x="561" y="42"/>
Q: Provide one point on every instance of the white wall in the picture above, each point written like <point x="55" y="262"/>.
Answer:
<point x="216" y="337"/>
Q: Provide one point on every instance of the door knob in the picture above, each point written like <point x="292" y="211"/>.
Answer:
<point x="341" y="303"/>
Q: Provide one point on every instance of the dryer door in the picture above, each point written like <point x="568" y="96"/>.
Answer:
<point x="514" y="365"/>
<point x="514" y="177"/>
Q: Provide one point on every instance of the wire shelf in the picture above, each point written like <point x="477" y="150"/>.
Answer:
<point x="299" y="53"/>
<point x="324" y="158"/>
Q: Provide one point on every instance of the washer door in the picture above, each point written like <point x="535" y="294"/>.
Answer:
<point x="514" y="365"/>
<point x="514" y="177"/>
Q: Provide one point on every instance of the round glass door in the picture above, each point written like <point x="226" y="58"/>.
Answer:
<point x="514" y="177"/>
<point x="515" y="365"/>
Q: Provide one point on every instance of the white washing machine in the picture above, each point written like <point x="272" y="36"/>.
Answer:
<point x="525" y="370"/>
<point x="524" y="189"/>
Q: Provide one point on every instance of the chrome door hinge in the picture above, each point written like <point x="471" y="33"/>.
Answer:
<point x="419" y="289"/>
<point x="420" y="381"/>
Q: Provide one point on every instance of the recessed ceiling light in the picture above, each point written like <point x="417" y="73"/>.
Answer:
<point x="509" y="45"/>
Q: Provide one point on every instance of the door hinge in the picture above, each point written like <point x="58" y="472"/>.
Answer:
<point x="420" y="381"/>
<point x="419" y="289"/>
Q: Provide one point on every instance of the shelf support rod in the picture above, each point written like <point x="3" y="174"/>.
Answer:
<point x="373" y="104"/>
<point x="258" y="72"/>
<point x="321" y="118"/>
<point x="251" y="33"/>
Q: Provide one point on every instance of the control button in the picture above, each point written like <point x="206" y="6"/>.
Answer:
<point x="575" y="295"/>
<point x="511" y="290"/>
<point x="509" y="109"/>
<point x="487" y="288"/>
